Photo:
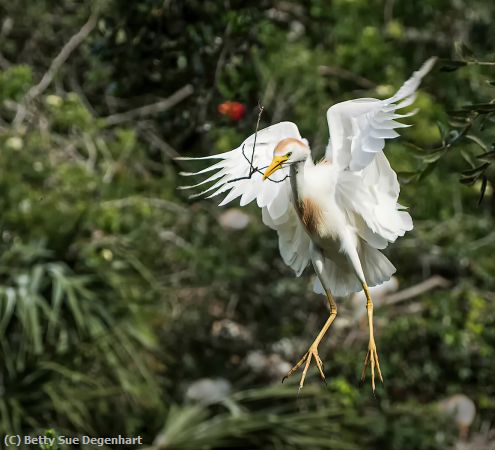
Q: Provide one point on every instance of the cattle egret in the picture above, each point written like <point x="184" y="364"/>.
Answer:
<point x="338" y="213"/>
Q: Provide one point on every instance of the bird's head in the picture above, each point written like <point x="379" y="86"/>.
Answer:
<point x="287" y="151"/>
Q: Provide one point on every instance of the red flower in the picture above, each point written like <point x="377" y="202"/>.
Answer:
<point x="234" y="110"/>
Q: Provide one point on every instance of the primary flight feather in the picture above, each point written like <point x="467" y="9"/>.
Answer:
<point x="337" y="214"/>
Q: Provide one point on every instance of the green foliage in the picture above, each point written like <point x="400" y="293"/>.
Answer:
<point x="14" y="82"/>
<point x="469" y="130"/>
<point x="50" y="434"/>
<point x="74" y="339"/>
<point x="276" y="418"/>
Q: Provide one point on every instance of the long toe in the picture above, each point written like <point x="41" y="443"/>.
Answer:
<point x="374" y="363"/>
<point x="296" y="366"/>
<point x="305" y="371"/>
<point x="377" y="362"/>
<point x="306" y="360"/>
<point x="319" y="364"/>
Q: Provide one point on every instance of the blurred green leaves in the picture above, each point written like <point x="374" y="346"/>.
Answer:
<point x="471" y="124"/>
<point x="73" y="339"/>
<point x="14" y="82"/>
<point x="276" y="418"/>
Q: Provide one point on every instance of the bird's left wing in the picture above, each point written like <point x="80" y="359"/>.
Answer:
<point x="358" y="128"/>
<point x="239" y="173"/>
<point x="368" y="189"/>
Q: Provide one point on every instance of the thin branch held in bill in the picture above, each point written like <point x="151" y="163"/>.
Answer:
<point x="252" y="169"/>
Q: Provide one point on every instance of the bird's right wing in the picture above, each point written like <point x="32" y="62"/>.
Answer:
<point x="239" y="173"/>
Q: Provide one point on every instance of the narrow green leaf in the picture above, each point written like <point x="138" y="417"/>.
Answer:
<point x="477" y="141"/>
<point x="8" y="307"/>
<point x="477" y="170"/>
<point x="443" y="130"/>
<point x="415" y="148"/>
<point x="451" y="65"/>
<point x="488" y="156"/>
<point x="484" y="183"/>
<point x="434" y="156"/>
<point x="468" y="158"/>
<point x="482" y="108"/>
<point x="57" y="295"/>
<point x="427" y="171"/>
<point x="408" y="177"/>
<point x="485" y="119"/>
<point x="74" y="306"/>
<point x="457" y="123"/>
<point x="470" y="176"/>
<point x="459" y="113"/>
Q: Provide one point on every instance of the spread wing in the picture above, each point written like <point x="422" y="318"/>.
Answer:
<point x="358" y="128"/>
<point x="370" y="201"/>
<point x="239" y="173"/>
<point x="368" y="188"/>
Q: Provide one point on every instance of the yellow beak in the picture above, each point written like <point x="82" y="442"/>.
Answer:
<point x="275" y="165"/>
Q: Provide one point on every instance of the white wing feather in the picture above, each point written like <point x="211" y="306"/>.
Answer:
<point x="233" y="169"/>
<point x="231" y="176"/>
<point x="358" y="128"/>
<point x="368" y="189"/>
<point x="370" y="201"/>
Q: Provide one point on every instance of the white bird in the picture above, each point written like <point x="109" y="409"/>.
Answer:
<point x="338" y="213"/>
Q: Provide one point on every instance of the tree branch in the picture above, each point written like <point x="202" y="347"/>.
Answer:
<point x="150" y="134"/>
<point x="433" y="282"/>
<point x="148" y="110"/>
<point x="55" y="66"/>
<point x="344" y="74"/>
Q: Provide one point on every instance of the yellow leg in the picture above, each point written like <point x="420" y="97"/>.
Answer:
<point x="313" y="349"/>
<point x="372" y="355"/>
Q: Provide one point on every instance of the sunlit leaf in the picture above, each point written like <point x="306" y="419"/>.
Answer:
<point x="435" y="156"/>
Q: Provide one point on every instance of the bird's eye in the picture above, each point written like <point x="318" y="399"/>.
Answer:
<point x="289" y="154"/>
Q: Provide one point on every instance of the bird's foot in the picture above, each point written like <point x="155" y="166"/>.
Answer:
<point x="306" y="359"/>
<point x="372" y="361"/>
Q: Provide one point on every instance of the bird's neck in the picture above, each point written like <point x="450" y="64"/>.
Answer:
<point x="297" y="177"/>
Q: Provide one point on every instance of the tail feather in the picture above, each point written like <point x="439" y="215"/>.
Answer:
<point x="342" y="280"/>
<point x="376" y="266"/>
